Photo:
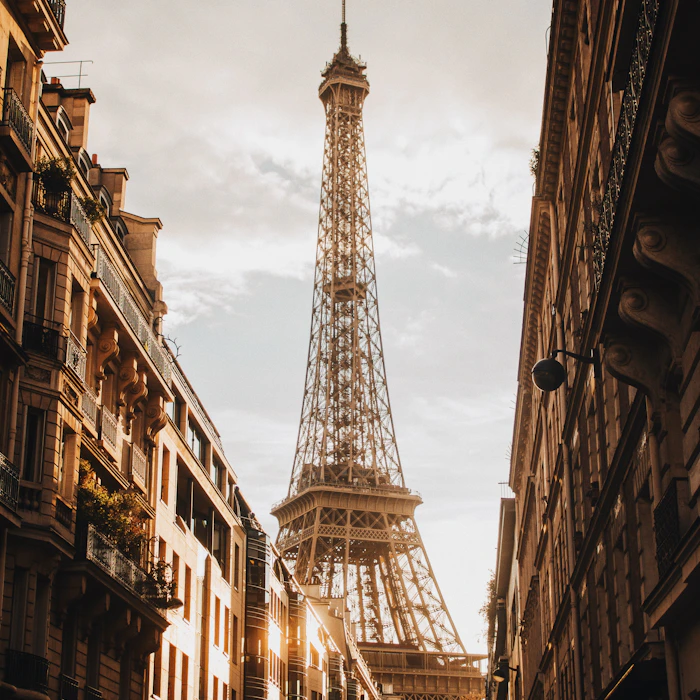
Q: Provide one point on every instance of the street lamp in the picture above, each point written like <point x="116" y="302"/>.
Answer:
<point x="549" y="374"/>
<point x="502" y="673"/>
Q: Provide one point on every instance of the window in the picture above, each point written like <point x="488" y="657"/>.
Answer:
<point x="235" y="640"/>
<point x="44" y="281"/>
<point x="221" y="548"/>
<point x="185" y="676"/>
<point x="219" y="475"/>
<point x="217" y="621"/>
<point x="165" y="476"/>
<point x="6" y="219"/>
<point x="176" y="572"/>
<point x="66" y="462"/>
<point x="188" y="594"/>
<point x="216" y="688"/>
<point x="315" y="660"/>
<point x="175" y="412"/>
<point x="34" y="426"/>
<point x="236" y="565"/>
<point x="162" y="549"/>
<point x="172" y="669"/>
<point x="196" y="441"/>
<point x="224" y="693"/>
<point x="157" y="670"/>
<point x="227" y="630"/>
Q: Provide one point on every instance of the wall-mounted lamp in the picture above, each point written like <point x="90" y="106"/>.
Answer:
<point x="502" y="673"/>
<point x="549" y="375"/>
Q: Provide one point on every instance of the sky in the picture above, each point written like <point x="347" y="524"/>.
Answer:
<point x="213" y="109"/>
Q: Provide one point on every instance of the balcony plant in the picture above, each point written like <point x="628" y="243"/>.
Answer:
<point x="117" y="515"/>
<point x="55" y="174"/>
<point x="93" y="209"/>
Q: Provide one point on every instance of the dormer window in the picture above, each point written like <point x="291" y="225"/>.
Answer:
<point x="84" y="163"/>
<point x="63" y="124"/>
<point x="105" y="202"/>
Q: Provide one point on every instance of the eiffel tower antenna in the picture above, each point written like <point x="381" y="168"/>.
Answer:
<point x="347" y="524"/>
<point x="343" y="31"/>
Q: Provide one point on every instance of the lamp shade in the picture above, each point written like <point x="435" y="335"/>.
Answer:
<point x="548" y="374"/>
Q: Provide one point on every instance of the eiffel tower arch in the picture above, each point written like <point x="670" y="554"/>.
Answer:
<point x="347" y="523"/>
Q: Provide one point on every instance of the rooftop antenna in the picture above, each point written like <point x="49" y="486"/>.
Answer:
<point x="343" y="31"/>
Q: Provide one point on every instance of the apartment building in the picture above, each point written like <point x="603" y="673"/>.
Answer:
<point x="605" y="450"/>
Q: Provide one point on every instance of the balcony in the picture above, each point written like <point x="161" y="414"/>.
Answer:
<point x="27" y="671"/>
<point x="16" y="131"/>
<point x="7" y="288"/>
<point x="45" y="19"/>
<point x="42" y="337"/>
<point x="9" y="483"/>
<point x="69" y="688"/>
<point x="108" y="428"/>
<point x="667" y="528"/>
<point x="65" y="207"/>
<point x="114" y="284"/>
<point x="139" y="467"/>
<point x="76" y="356"/>
<point x="90" y="409"/>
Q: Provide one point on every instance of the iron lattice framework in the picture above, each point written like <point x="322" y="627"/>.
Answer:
<point x="347" y="522"/>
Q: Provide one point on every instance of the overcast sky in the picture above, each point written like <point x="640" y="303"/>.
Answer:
<point x="212" y="107"/>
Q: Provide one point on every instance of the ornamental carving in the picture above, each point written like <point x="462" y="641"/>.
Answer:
<point x="127" y="378"/>
<point x="107" y="350"/>
<point x="156" y="417"/>
<point x="134" y="396"/>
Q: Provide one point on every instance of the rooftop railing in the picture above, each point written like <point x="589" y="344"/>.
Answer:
<point x="9" y="482"/>
<point x="16" y="116"/>
<point x="138" y="324"/>
<point x="7" y="287"/>
<point x="58" y="7"/>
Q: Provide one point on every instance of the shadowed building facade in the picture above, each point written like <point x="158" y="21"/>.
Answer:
<point x="600" y="588"/>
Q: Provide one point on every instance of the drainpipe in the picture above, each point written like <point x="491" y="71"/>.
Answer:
<point x="26" y="253"/>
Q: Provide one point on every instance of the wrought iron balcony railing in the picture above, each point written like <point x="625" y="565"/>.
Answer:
<point x="27" y="671"/>
<point x="64" y="206"/>
<point x="138" y="324"/>
<point x="90" y="408"/>
<point x="58" y="7"/>
<point x="69" y="688"/>
<point x="76" y="356"/>
<point x="139" y="467"/>
<point x="9" y="482"/>
<point x="16" y="116"/>
<point x="108" y="430"/>
<point x="7" y="287"/>
<point x="40" y="337"/>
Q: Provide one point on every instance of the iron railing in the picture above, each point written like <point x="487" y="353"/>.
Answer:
<point x="27" y="671"/>
<point x="9" y="482"/>
<point x="7" y="287"/>
<point x="16" y="116"/>
<point x="89" y="407"/>
<point x="58" y="8"/>
<point x="41" y="338"/>
<point x="667" y="528"/>
<point x="64" y="206"/>
<point x="108" y="431"/>
<point x="623" y="136"/>
<point x="139" y="466"/>
<point x="76" y="356"/>
<point x="134" y="318"/>
<point x="69" y="688"/>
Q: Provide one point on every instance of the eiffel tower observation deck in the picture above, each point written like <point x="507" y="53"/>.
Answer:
<point x="347" y="524"/>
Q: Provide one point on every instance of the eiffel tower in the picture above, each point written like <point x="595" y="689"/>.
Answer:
<point x="347" y="523"/>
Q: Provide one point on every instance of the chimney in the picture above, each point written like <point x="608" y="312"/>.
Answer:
<point x="114" y="179"/>
<point x="141" y="241"/>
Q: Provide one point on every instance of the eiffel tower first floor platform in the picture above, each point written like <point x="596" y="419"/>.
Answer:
<point x="425" y="675"/>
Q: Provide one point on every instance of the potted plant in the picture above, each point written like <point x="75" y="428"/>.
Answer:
<point x="93" y="209"/>
<point x="55" y="174"/>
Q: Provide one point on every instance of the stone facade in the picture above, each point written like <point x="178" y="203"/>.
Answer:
<point x="606" y="528"/>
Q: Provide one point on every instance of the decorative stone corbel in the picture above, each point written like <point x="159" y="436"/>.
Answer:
<point x="678" y="165"/>
<point x="135" y="395"/>
<point x="683" y="117"/>
<point x="147" y="642"/>
<point x="92" y="310"/>
<point x="671" y="250"/>
<point x="641" y="362"/>
<point x="127" y="378"/>
<point x="653" y="308"/>
<point x="107" y="350"/>
<point x="156" y="417"/>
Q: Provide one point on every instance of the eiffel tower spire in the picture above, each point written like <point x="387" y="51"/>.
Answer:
<point x="347" y="523"/>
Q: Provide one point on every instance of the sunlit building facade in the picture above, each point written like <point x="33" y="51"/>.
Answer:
<point x="605" y="460"/>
